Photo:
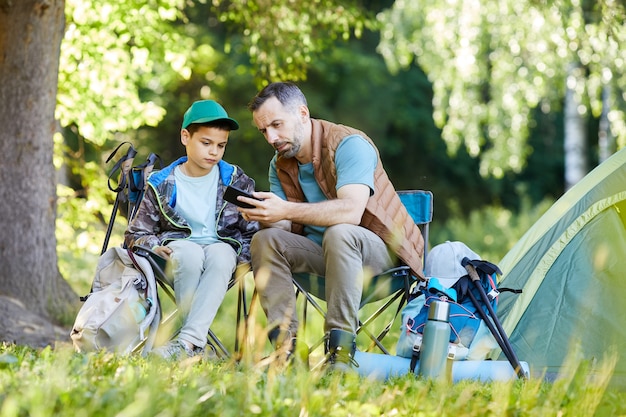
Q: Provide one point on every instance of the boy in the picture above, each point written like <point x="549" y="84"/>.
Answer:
<point x="184" y="218"/>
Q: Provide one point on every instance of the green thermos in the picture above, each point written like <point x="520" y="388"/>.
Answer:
<point x="436" y="336"/>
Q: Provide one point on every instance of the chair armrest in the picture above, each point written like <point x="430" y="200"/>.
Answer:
<point x="157" y="262"/>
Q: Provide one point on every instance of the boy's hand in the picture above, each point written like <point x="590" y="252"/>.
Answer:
<point x="163" y="251"/>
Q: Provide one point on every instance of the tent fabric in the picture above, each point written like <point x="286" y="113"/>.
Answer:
<point x="571" y="267"/>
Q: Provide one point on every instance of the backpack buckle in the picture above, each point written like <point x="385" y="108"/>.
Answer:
<point x="417" y="345"/>
<point x="457" y="352"/>
<point x="493" y="294"/>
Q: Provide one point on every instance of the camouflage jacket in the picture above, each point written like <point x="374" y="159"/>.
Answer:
<point x="157" y="221"/>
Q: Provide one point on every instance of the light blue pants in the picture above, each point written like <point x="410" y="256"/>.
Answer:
<point x="348" y="257"/>
<point x="201" y="276"/>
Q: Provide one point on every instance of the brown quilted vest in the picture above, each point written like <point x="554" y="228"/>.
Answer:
<point x="384" y="214"/>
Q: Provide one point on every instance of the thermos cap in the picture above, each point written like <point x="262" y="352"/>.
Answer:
<point x="439" y="311"/>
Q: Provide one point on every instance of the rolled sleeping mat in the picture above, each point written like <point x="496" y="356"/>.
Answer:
<point x="383" y="367"/>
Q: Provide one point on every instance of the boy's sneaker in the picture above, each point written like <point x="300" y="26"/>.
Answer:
<point x="178" y="350"/>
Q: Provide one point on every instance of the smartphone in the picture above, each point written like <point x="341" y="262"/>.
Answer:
<point x="231" y="194"/>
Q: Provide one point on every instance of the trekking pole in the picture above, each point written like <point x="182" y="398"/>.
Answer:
<point x="493" y="330"/>
<point x="500" y="334"/>
<point x="124" y="165"/>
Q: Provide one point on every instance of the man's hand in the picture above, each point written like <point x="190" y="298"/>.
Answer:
<point x="347" y="208"/>
<point x="269" y="209"/>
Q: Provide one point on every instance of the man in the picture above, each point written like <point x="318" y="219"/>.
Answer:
<point x="184" y="219"/>
<point x="331" y="211"/>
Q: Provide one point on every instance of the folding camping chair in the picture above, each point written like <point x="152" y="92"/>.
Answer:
<point x="394" y="284"/>
<point x="130" y="189"/>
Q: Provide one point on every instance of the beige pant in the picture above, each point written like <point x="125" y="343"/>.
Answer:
<point x="349" y="255"/>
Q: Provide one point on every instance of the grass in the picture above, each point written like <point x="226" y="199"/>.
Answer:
<point x="60" y="382"/>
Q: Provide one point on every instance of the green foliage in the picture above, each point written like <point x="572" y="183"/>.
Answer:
<point x="80" y="238"/>
<point x="490" y="231"/>
<point x="492" y="63"/>
<point x="110" y="52"/>
<point x="117" y="58"/>
<point x="283" y="37"/>
<point x="84" y="203"/>
<point x="62" y="383"/>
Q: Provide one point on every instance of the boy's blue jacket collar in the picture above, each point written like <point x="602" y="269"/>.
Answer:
<point x="226" y="171"/>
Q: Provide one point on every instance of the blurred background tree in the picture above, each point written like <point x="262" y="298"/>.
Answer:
<point x="493" y="64"/>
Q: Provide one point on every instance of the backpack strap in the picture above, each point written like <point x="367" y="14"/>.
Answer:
<point x="138" y="183"/>
<point x="415" y="356"/>
<point x="140" y="283"/>
<point x="123" y="165"/>
<point x="462" y="287"/>
<point x="485" y="266"/>
<point x="513" y="290"/>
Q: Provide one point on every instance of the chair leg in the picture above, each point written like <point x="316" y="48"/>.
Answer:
<point x="247" y="325"/>
<point x="308" y="299"/>
<point x="242" y="316"/>
<point x="376" y="340"/>
<point x="304" y="312"/>
<point x="221" y="350"/>
<point x="362" y="327"/>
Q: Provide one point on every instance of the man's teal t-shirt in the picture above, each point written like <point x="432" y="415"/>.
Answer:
<point x="355" y="161"/>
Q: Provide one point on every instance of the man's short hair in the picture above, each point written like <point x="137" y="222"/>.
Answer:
<point x="287" y="93"/>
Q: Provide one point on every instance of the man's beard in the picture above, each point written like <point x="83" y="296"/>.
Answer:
<point x="292" y="151"/>
<point x="296" y="144"/>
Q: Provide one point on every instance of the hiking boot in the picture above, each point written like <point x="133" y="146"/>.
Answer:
<point x="287" y="348"/>
<point x="340" y="348"/>
<point x="283" y="343"/>
<point x="178" y="350"/>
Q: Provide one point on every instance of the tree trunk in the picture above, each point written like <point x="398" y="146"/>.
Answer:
<point x="576" y="160"/>
<point x="30" y="37"/>
<point x="606" y="143"/>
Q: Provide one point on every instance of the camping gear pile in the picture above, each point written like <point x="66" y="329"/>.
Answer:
<point x="464" y="286"/>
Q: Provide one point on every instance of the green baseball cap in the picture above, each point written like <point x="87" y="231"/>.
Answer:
<point x="205" y="111"/>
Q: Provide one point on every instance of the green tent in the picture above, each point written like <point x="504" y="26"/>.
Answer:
<point x="571" y="266"/>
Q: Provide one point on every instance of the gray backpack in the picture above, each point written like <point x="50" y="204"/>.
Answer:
<point x="122" y="310"/>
